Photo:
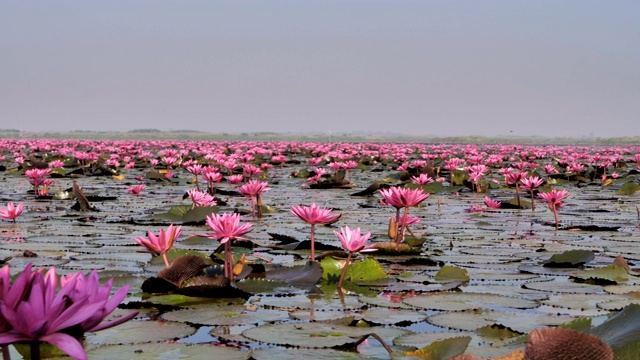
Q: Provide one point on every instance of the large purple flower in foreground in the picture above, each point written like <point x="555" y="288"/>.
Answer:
<point x="32" y="309"/>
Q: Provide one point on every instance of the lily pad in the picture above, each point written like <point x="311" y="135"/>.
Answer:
<point x="608" y="275"/>
<point x="451" y="273"/>
<point x="167" y="351"/>
<point x="571" y="258"/>
<point x="225" y="314"/>
<point x="467" y="301"/>
<point x="316" y="335"/>
<point x="474" y="319"/>
<point x="443" y="349"/>
<point x="136" y="332"/>
<point x="629" y="188"/>
<point x="365" y="270"/>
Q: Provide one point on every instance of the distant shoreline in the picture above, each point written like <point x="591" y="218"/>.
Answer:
<point x="188" y="135"/>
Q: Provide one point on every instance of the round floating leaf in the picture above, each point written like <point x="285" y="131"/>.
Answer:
<point x="629" y="188"/>
<point x="167" y="351"/>
<point x="608" y="275"/>
<point x="225" y="314"/>
<point x="451" y="273"/>
<point x="563" y="287"/>
<point x="521" y="322"/>
<point x="136" y="332"/>
<point x="443" y="349"/>
<point x="274" y="353"/>
<point x="365" y="270"/>
<point x="467" y="301"/>
<point x="571" y="258"/>
<point x="317" y="334"/>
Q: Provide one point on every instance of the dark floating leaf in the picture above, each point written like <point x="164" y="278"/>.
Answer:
<point x="307" y="274"/>
<point x="622" y="332"/>
<point x="211" y="287"/>
<point x="371" y="189"/>
<point x="571" y="258"/>
<point x="592" y="228"/>
<point x="283" y="239"/>
<point x="82" y="203"/>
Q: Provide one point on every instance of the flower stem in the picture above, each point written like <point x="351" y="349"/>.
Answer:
<point x="400" y="236"/>
<point x="313" y="242"/>
<point x="164" y="257"/>
<point x="6" y="354"/>
<point x="344" y="270"/>
<point x="533" y="205"/>
<point x="259" y="206"/>
<point x="35" y="350"/>
<point x="228" y="260"/>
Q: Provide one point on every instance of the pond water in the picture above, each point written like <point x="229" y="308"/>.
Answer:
<point x="509" y="292"/>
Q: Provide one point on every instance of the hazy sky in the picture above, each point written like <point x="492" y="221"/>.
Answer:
<point x="535" y="67"/>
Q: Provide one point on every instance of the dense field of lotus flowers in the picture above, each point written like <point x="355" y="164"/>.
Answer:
<point x="146" y="249"/>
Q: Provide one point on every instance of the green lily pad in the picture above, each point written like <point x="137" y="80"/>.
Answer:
<point x="450" y="273"/>
<point x="608" y="275"/>
<point x="187" y="213"/>
<point x="629" y="188"/>
<point x="443" y="349"/>
<point x="571" y="258"/>
<point x="365" y="270"/>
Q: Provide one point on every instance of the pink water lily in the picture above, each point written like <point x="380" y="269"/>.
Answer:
<point x="399" y="198"/>
<point x="254" y="189"/>
<point x="11" y="211"/>
<point x="201" y="198"/>
<point x="492" y="204"/>
<point x="352" y="241"/>
<point x="554" y="199"/>
<point x="529" y="183"/>
<point x="160" y="244"/>
<point x="226" y="228"/>
<point x="314" y="215"/>
<point x="137" y="189"/>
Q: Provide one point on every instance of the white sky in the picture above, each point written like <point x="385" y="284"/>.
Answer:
<point x="474" y="67"/>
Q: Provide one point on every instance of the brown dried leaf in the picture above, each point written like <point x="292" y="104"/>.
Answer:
<point x="82" y="199"/>
<point x="620" y="261"/>
<point x="183" y="268"/>
<point x="566" y="344"/>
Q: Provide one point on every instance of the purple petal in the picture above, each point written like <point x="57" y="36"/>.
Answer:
<point x="113" y="322"/>
<point x="67" y="343"/>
